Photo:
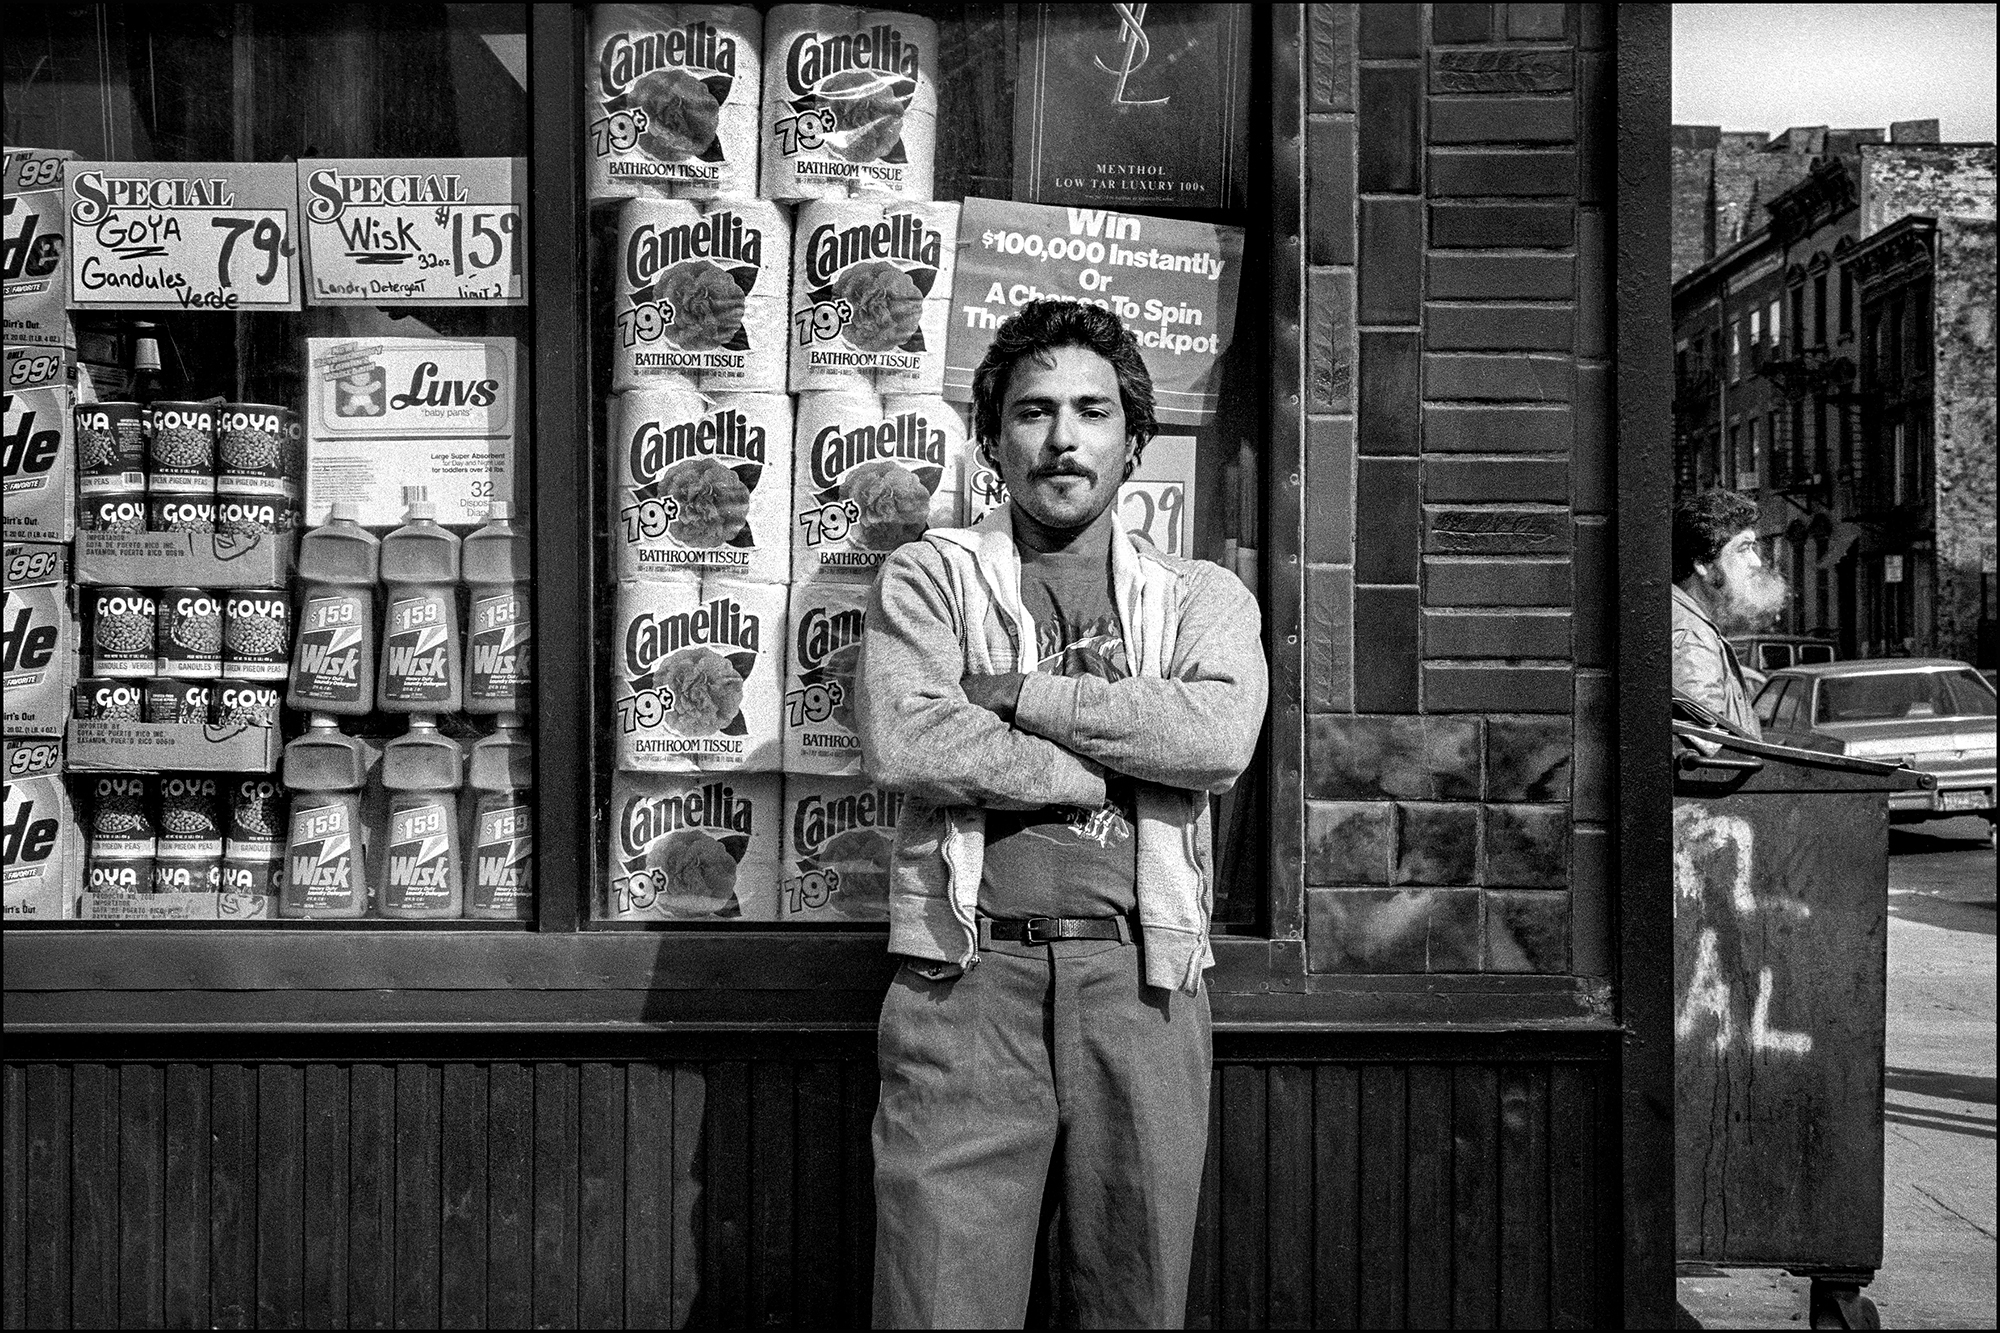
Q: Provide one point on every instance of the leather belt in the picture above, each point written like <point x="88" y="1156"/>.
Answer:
<point x="1049" y="929"/>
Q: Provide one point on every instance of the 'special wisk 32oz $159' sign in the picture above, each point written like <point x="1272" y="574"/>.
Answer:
<point x="1173" y="282"/>
<point x="183" y="235"/>
<point x="414" y="231"/>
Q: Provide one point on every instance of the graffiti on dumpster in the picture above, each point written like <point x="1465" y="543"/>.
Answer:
<point x="1713" y="859"/>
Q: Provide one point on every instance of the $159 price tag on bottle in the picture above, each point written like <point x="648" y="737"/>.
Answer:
<point x="414" y="231"/>
<point x="183" y="235"/>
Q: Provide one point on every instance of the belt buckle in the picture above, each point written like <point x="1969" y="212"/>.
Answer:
<point x="1032" y="930"/>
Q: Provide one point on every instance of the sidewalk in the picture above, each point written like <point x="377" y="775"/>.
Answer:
<point x="1938" y="1265"/>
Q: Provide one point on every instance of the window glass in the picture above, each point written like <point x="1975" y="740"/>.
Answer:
<point x="1970" y="695"/>
<point x="1773" y="656"/>
<point x="1786" y="716"/>
<point x="322" y="758"/>
<point x="1769" y="697"/>
<point x="748" y="500"/>
<point x="1884" y="697"/>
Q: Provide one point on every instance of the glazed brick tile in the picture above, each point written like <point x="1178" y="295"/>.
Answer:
<point x="1531" y="71"/>
<point x="1405" y="758"/>
<point x="1436" y="844"/>
<point x="1451" y="688"/>
<point x="1461" y="23"/>
<point x="1473" y="377"/>
<point x="1479" y="581"/>
<point x="1389" y="138"/>
<point x="1329" y="639"/>
<point x="1536" y="23"/>
<point x="1391" y="32"/>
<point x="1592" y="274"/>
<point x="1528" y="758"/>
<point x="1455" y="275"/>
<point x="1392" y="406"/>
<point x="1329" y="190"/>
<point x="1593" y="593"/>
<point x="1457" y="173"/>
<point x="1527" y="847"/>
<point x="1496" y="480"/>
<point x="1478" y="328"/>
<point x="1386" y="650"/>
<point x="1591" y="880"/>
<point x="1329" y="508"/>
<point x="1452" y="530"/>
<point x="1330" y="57"/>
<point x="1527" y="932"/>
<point x="1592" y="451"/>
<point x="1349" y="842"/>
<point x="1497" y="430"/>
<point x="1392" y="260"/>
<point x="1502" y="120"/>
<point x="1388" y="931"/>
<point x="1502" y="226"/>
<point x="1329" y="339"/>
<point x="1594" y="739"/>
<point x="1388" y="521"/>
<point x="1497" y="634"/>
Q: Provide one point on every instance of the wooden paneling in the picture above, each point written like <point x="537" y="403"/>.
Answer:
<point x="1371" y="1193"/>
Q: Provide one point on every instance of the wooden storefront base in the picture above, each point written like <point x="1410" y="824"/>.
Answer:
<point x="1372" y="1180"/>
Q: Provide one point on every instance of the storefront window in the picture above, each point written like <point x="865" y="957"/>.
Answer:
<point x="792" y="283"/>
<point x="291" y="358"/>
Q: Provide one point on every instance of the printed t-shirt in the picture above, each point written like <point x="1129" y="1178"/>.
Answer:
<point x="1067" y="860"/>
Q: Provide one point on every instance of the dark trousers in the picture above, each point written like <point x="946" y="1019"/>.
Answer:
<point x="1040" y="1052"/>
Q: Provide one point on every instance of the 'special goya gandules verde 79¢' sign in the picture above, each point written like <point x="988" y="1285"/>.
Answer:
<point x="183" y="235"/>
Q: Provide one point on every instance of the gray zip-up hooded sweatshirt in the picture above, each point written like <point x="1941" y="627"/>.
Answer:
<point x="1185" y="723"/>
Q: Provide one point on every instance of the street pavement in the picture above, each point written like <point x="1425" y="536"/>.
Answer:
<point x="1938" y="1241"/>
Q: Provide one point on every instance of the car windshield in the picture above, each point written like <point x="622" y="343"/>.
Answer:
<point x="1899" y="695"/>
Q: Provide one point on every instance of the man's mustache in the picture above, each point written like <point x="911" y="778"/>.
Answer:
<point x="1063" y="469"/>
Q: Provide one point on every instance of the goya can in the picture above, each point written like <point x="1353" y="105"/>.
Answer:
<point x="122" y="835"/>
<point x="242" y="703"/>
<point x="187" y="637"/>
<point x="113" y="511"/>
<point x="180" y="513"/>
<point x="257" y="450"/>
<point x="179" y="700"/>
<point x="180" y="449"/>
<point x="121" y="631"/>
<point x="109" y="698"/>
<point x="253" y="515"/>
<point x="253" y="847"/>
<point x="188" y="858"/>
<point x="110" y="449"/>
<point x="256" y="634"/>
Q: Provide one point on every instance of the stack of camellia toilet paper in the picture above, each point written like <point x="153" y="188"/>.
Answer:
<point x="781" y="290"/>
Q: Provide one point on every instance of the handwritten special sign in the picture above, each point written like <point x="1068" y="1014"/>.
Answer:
<point x="1173" y="282"/>
<point x="414" y="231"/>
<point x="183" y="235"/>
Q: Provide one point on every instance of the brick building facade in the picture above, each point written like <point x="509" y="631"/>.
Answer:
<point x="1834" y="359"/>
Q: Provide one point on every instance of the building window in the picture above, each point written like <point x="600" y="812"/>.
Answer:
<point x="1819" y="310"/>
<point x="1846" y="301"/>
<point x="1756" y="331"/>
<point x="1822" y="598"/>
<point x="1732" y="459"/>
<point x="1777" y="328"/>
<point x="1795" y="447"/>
<point x="1892" y="365"/>
<point x="1750" y="470"/>
<point x="1899" y="449"/>
<point x="1819" y="436"/>
<point x="1735" y="350"/>
<point x="1798" y="295"/>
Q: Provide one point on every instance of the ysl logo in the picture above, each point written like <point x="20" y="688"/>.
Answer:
<point x="1132" y="30"/>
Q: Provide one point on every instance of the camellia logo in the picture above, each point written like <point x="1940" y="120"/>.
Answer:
<point x="815" y="56"/>
<point x="727" y="434"/>
<point x="719" y="236"/>
<point x="715" y="805"/>
<point x="628" y="56"/>
<point x="906" y="437"/>
<point x="816" y="820"/>
<point x="650" y="638"/>
<point x="898" y="236"/>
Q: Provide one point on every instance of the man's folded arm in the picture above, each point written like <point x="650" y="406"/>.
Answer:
<point x="919" y="733"/>
<point x="1195" y="728"/>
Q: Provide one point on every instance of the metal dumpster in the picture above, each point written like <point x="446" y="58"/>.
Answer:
<point x="1780" y="972"/>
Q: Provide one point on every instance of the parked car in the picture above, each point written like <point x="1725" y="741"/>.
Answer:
<point x="1929" y="713"/>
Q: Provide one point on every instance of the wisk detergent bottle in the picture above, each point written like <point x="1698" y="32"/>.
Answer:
<point x="422" y="877"/>
<point x="499" y="630"/>
<point x="325" y="872"/>
<point x="333" y="656"/>
<point x="420" y="641"/>
<point x="503" y="827"/>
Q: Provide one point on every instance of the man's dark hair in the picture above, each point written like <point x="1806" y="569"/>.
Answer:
<point x="1704" y="523"/>
<point x="1038" y="330"/>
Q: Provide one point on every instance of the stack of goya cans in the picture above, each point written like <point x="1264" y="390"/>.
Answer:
<point x="192" y="655"/>
<point x="188" y="467"/>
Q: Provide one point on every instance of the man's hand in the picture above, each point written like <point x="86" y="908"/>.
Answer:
<point x="996" y="694"/>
